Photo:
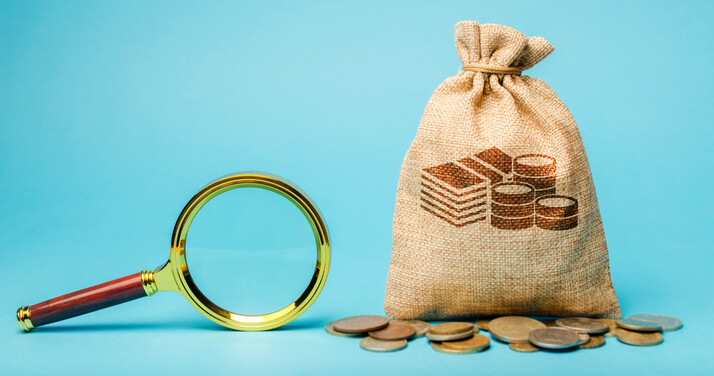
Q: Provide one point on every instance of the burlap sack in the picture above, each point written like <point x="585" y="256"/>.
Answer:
<point x="496" y="212"/>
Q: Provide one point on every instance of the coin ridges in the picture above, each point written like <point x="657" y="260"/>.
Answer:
<point x="331" y="330"/>
<point x="393" y="332"/>
<point x="451" y="328"/>
<point x="549" y="323"/>
<point x="584" y="338"/>
<point x="555" y="338"/>
<point x="477" y="343"/>
<point x="449" y="337"/>
<point x="639" y="325"/>
<point x="483" y="324"/>
<point x="583" y="325"/>
<point x="360" y="324"/>
<point x="638" y="338"/>
<point x="371" y="344"/>
<point x="668" y="323"/>
<point x="613" y="327"/>
<point x="421" y="327"/>
<point x="440" y="348"/>
<point x="513" y="328"/>
<point x="523" y="347"/>
<point x="594" y="342"/>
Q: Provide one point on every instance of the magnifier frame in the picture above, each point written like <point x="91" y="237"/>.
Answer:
<point x="175" y="275"/>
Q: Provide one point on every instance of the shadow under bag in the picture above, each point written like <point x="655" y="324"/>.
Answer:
<point x="496" y="211"/>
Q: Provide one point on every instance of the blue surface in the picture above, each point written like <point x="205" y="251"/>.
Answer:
<point x="113" y="114"/>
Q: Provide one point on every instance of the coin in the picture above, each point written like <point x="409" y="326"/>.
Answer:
<point x="482" y="324"/>
<point x="667" y="323"/>
<point x="419" y="326"/>
<point x="477" y="343"/>
<point x="639" y="325"/>
<point x="440" y="348"/>
<point x="549" y="323"/>
<point x="450" y="337"/>
<point x="613" y="327"/>
<point x="522" y="347"/>
<point x="371" y="344"/>
<point x="638" y="338"/>
<point x="583" y="325"/>
<point x="554" y="338"/>
<point x="594" y="342"/>
<point x="393" y="332"/>
<point x="329" y="329"/>
<point x="513" y="328"/>
<point x="584" y="338"/>
<point x="451" y="328"/>
<point x="360" y="324"/>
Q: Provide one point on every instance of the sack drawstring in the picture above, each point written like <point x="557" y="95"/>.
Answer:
<point x="485" y="68"/>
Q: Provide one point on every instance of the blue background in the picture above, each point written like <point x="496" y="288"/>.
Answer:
<point x="113" y="114"/>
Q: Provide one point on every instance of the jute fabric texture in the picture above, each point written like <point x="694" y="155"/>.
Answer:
<point x="496" y="212"/>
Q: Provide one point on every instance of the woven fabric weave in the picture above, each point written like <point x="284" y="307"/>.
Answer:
<point x="496" y="212"/>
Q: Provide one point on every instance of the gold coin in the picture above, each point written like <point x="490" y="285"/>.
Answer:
<point x="361" y="324"/>
<point x="549" y="323"/>
<point x="477" y="343"/>
<point x="451" y="328"/>
<point x="639" y="325"/>
<point x="450" y="337"/>
<point x="584" y="338"/>
<point x="440" y="348"/>
<point x="513" y="328"/>
<point x="613" y="327"/>
<point x="638" y="338"/>
<point x="419" y="326"/>
<point x="371" y="344"/>
<point x="393" y="332"/>
<point x="483" y="324"/>
<point x="331" y="330"/>
<point x="522" y="347"/>
<point x="583" y="325"/>
<point x="594" y="342"/>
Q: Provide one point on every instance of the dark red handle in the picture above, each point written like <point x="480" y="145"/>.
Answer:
<point x="83" y="301"/>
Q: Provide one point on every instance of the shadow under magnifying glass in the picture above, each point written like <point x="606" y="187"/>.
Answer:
<point x="172" y="325"/>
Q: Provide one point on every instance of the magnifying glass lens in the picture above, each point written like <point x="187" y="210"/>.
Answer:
<point x="251" y="251"/>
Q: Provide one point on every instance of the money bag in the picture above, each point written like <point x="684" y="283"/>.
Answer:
<point x="496" y="212"/>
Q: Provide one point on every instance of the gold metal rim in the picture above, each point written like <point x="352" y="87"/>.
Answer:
<point x="175" y="276"/>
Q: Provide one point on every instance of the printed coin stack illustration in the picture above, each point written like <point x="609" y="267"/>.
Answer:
<point x="536" y="170"/>
<point x="453" y="194"/>
<point x="512" y="193"/>
<point x="556" y="212"/>
<point x="512" y="206"/>
<point x="492" y="164"/>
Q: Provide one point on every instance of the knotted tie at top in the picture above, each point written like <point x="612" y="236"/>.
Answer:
<point x="485" y="68"/>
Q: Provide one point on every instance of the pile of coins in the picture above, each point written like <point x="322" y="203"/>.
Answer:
<point x="457" y="338"/>
<point x="382" y="334"/>
<point x="522" y="334"/>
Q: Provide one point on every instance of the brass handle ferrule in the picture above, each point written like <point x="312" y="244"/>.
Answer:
<point x="148" y="282"/>
<point x="23" y="319"/>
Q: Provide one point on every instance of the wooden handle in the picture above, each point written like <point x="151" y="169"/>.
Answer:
<point x="87" y="300"/>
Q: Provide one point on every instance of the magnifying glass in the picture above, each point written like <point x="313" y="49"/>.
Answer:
<point x="176" y="275"/>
